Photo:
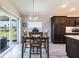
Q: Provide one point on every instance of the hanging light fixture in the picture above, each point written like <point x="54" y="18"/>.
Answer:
<point x="33" y="17"/>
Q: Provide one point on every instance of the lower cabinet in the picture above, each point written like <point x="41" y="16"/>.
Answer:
<point x="59" y="38"/>
<point x="72" y="47"/>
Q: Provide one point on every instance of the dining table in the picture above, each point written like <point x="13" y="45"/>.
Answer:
<point x="44" y="38"/>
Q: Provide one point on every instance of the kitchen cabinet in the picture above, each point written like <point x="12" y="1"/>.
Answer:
<point x="58" y="27"/>
<point x="58" y="24"/>
<point x="77" y="21"/>
<point x="59" y="20"/>
<point x="71" y="21"/>
<point x="72" y="44"/>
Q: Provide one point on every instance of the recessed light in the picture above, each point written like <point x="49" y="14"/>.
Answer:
<point x="64" y="6"/>
<point x="72" y="9"/>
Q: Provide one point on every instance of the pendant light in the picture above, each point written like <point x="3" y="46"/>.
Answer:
<point x="33" y="17"/>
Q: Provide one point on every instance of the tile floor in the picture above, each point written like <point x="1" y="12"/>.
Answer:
<point x="55" y="51"/>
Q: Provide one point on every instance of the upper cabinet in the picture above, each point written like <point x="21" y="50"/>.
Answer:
<point x="71" y="21"/>
<point x="67" y="21"/>
<point x="59" y="19"/>
<point x="77" y="21"/>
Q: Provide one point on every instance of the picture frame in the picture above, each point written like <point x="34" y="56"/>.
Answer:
<point x="24" y="24"/>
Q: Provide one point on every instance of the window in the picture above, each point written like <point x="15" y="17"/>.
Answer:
<point x="34" y="24"/>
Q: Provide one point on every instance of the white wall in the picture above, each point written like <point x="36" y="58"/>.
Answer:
<point x="9" y="6"/>
<point x="46" y="22"/>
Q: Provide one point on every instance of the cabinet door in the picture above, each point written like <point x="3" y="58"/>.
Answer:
<point x="67" y="22"/>
<point x="59" y="38"/>
<point x="77" y="21"/>
<point x="70" y="21"/>
<point x="59" y="29"/>
<point x="60" y="20"/>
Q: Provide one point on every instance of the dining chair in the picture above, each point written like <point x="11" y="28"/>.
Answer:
<point x="35" y="43"/>
<point x="27" y="40"/>
<point x="45" y="34"/>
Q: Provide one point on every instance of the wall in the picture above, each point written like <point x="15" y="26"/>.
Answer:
<point x="45" y="20"/>
<point x="8" y="5"/>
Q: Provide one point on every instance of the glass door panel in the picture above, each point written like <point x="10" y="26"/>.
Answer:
<point x="14" y="30"/>
<point x="4" y="33"/>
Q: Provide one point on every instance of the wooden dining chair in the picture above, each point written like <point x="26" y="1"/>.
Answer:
<point x="27" y="40"/>
<point x="35" y="43"/>
<point x="45" y="34"/>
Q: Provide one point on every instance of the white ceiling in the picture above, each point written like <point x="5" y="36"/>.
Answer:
<point x="48" y="7"/>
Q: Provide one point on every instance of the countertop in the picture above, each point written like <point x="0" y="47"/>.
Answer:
<point x="73" y="36"/>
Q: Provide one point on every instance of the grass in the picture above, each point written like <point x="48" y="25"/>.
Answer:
<point x="6" y="34"/>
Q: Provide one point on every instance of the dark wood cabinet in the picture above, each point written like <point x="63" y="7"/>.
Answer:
<point x="59" y="32"/>
<point x="72" y="47"/>
<point x="58" y="24"/>
<point x="71" y="21"/>
<point x="77" y="21"/>
<point x="59" y="20"/>
<point x="58" y="27"/>
<point x="59" y="38"/>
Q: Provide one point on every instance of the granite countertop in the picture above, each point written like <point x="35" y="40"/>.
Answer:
<point x="73" y="36"/>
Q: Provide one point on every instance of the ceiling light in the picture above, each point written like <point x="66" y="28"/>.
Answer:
<point x="33" y="17"/>
<point x="64" y="5"/>
<point x="72" y="9"/>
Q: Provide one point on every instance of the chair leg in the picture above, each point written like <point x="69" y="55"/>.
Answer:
<point x="25" y="44"/>
<point x="40" y="53"/>
<point x="33" y="49"/>
<point x="45" y="45"/>
<point x="30" y="52"/>
<point x="24" y="48"/>
<point x="37" y="49"/>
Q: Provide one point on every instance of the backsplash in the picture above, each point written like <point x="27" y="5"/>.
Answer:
<point x="72" y="29"/>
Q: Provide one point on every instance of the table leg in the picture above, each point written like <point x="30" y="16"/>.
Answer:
<point x="48" y="48"/>
<point x="22" y="49"/>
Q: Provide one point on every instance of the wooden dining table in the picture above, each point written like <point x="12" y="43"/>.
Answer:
<point x="24" y="38"/>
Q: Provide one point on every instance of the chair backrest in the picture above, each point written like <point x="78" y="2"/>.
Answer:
<point x="36" y="34"/>
<point x="35" y="37"/>
<point x="25" y="33"/>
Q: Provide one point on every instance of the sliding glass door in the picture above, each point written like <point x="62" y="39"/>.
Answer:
<point x="8" y="32"/>
<point x="12" y="31"/>
<point x="4" y="33"/>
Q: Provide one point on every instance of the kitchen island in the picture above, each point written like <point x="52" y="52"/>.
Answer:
<point x="72" y="46"/>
